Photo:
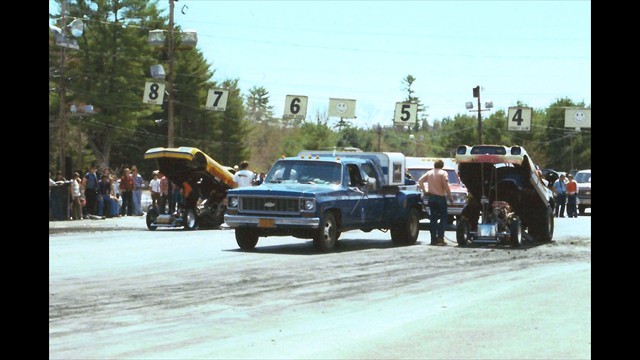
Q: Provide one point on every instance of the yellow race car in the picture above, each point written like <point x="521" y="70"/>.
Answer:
<point x="203" y="183"/>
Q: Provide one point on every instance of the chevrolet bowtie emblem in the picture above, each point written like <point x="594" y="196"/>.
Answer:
<point x="269" y="204"/>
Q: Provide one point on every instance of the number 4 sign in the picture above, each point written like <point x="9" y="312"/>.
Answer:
<point x="519" y="119"/>
<point x="217" y="100"/>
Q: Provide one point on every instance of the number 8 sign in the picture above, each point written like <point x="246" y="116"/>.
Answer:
<point x="406" y="114"/>
<point x="153" y="93"/>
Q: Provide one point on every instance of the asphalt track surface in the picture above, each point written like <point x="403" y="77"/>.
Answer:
<point x="120" y="291"/>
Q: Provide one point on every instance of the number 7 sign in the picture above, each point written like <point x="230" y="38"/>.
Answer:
<point x="217" y="100"/>
<point x="519" y="119"/>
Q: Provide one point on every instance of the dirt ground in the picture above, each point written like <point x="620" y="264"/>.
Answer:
<point x="172" y="294"/>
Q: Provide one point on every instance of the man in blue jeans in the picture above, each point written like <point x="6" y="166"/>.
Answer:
<point x="437" y="192"/>
<point x="560" y="190"/>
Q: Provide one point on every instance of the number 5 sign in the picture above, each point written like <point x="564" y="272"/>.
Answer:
<point x="519" y="119"/>
<point x="153" y="93"/>
<point x="406" y="114"/>
<point x="217" y="100"/>
<point x="295" y="107"/>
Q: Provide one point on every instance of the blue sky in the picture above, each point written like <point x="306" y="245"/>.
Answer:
<point x="534" y="52"/>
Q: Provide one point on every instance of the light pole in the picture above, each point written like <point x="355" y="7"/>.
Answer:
<point x="171" y="77"/>
<point x="488" y="105"/>
<point x="64" y="41"/>
<point x="156" y="38"/>
<point x="81" y="112"/>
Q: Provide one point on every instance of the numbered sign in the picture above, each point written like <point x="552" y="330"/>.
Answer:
<point x="405" y="114"/>
<point x="577" y="118"/>
<point x="217" y="100"/>
<point x="295" y="107"/>
<point x="343" y="108"/>
<point x="153" y="93"/>
<point x="519" y="119"/>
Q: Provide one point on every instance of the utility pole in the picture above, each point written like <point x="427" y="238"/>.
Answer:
<point x="170" y="125"/>
<point x="63" y="125"/>
<point x="476" y="94"/>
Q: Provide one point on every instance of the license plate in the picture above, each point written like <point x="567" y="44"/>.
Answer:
<point x="266" y="223"/>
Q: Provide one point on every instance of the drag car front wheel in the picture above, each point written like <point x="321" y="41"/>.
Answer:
<point x="462" y="231"/>
<point x="514" y="232"/>
<point x="190" y="219"/>
<point x="152" y="215"/>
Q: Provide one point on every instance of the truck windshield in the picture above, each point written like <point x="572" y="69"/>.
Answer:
<point x="305" y="172"/>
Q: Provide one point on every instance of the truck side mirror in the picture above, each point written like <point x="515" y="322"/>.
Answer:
<point x="370" y="181"/>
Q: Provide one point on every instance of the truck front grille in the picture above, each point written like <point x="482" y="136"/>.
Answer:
<point x="270" y="205"/>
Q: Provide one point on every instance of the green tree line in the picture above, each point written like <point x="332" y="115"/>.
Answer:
<point x="112" y="63"/>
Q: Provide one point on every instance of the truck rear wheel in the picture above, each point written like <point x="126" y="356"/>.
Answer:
<point x="246" y="238"/>
<point x="407" y="233"/>
<point x="327" y="235"/>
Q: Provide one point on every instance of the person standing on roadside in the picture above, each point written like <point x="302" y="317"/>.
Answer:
<point x="437" y="193"/>
<point x="126" y="192"/>
<point x="560" y="189"/>
<point x="154" y="186"/>
<point x="90" y="186"/>
<point x="164" y="194"/>
<point x="244" y="177"/>
<point x="138" y="186"/>
<point x="76" y="204"/>
<point x="572" y="197"/>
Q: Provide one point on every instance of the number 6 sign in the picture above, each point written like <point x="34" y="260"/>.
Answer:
<point x="406" y="114"/>
<point x="295" y="107"/>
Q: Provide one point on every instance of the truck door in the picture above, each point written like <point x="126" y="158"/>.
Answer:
<point x="374" y="198"/>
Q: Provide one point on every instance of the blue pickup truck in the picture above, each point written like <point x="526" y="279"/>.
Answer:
<point x="320" y="194"/>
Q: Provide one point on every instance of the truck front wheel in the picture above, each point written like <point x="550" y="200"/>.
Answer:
<point x="407" y="233"/>
<point x="246" y="238"/>
<point x="325" y="239"/>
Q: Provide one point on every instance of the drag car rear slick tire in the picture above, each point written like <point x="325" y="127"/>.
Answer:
<point x="462" y="231"/>
<point x="542" y="231"/>
<point x="514" y="232"/>
<point x="407" y="233"/>
<point x="327" y="235"/>
<point x="246" y="238"/>
<point x="152" y="215"/>
<point x="190" y="220"/>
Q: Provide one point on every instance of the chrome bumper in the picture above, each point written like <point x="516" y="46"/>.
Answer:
<point x="252" y="220"/>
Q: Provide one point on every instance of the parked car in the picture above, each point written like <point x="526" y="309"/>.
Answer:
<point x="583" y="178"/>
<point x="418" y="166"/>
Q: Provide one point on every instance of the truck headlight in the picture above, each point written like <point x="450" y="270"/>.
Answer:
<point x="233" y="201"/>
<point x="309" y="205"/>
